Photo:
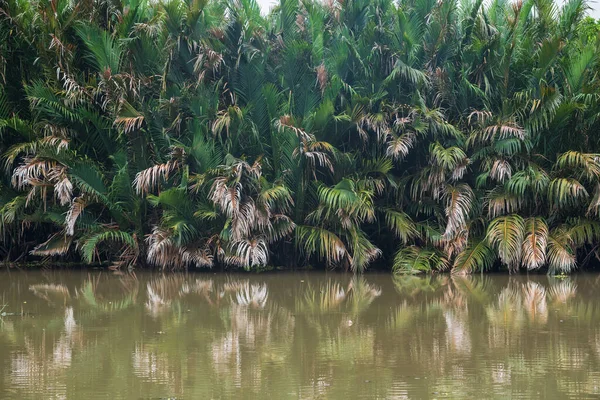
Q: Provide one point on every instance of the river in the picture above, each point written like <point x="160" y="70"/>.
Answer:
<point x="101" y="335"/>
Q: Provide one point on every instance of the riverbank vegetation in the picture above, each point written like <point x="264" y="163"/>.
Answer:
<point x="418" y="136"/>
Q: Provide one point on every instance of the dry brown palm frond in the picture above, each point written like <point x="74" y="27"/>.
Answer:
<point x="77" y="207"/>
<point x="152" y="28"/>
<point x="399" y="147"/>
<point x="460" y="169"/>
<point x="503" y="131"/>
<point x="534" y="245"/>
<point x="207" y="60"/>
<point x="128" y="255"/>
<point x="199" y="257"/>
<point x="455" y="243"/>
<point x="62" y="49"/>
<point x="59" y="142"/>
<point x="459" y="201"/>
<point x="129" y="118"/>
<point x="162" y="251"/>
<point x="254" y="170"/>
<point x="377" y="123"/>
<point x="501" y="170"/>
<point x="251" y="252"/>
<point x="316" y="155"/>
<point x="243" y="221"/>
<point x="479" y="117"/>
<point x="57" y="244"/>
<point x="150" y="178"/>
<point x="322" y="77"/>
<point x="233" y="260"/>
<point x="262" y="217"/>
<point x="227" y="198"/>
<point x="63" y="188"/>
<point x="286" y="122"/>
<point x="38" y="190"/>
<point x="32" y="171"/>
<point x="76" y="94"/>
<point x="435" y="182"/>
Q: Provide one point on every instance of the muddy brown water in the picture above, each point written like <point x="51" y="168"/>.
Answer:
<point x="92" y="335"/>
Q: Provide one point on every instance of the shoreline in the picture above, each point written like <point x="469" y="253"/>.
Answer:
<point x="58" y="266"/>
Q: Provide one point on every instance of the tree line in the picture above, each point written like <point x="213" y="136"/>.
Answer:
<point x="415" y="136"/>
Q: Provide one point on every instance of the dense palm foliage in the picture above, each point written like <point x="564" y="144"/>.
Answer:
<point x="454" y="135"/>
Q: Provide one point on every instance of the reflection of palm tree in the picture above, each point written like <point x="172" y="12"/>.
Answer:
<point x="162" y="291"/>
<point x="326" y="298"/>
<point x="63" y="349"/>
<point x="155" y="303"/>
<point x="508" y="308"/>
<point x="412" y="285"/>
<point x="91" y="289"/>
<point x="535" y="302"/>
<point x="401" y="317"/>
<point x="268" y="332"/>
<point x="150" y="365"/>
<point x="332" y="296"/>
<point x="457" y="333"/>
<point x="361" y="294"/>
<point x="562" y="291"/>
<point x="254" y="295"/>
<point x="52" y="293"/>
<point x="35" y="371"/>
<point x="475" y="288"/>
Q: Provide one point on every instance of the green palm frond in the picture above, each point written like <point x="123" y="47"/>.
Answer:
<point x="588" y="164"/>
<point x="477" y="256"/>
<point x="103" y="52"/>
<point x="505" y="234"/>
<point x="413" y="260"/>
<point x="561" y="254"/>
<point x="566" y="192"/>
<point x="89" y="244"/>
<point x="217" y="130"/>
<point x="401" y="224"/>
<point x="321" y="242"/>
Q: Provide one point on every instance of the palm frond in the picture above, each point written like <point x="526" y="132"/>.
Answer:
<point x="477" y="256"/>
<point x="505" y="234"/>
<point x="413" y="260"/>
<point x="535" y="243"/>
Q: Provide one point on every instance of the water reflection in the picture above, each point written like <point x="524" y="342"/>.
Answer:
<point x="298" y="336"/>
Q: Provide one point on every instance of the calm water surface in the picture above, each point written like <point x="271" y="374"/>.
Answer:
<point x="82" y="335"/>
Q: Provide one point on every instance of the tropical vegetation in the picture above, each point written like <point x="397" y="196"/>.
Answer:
<point x="419" y="135"/>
